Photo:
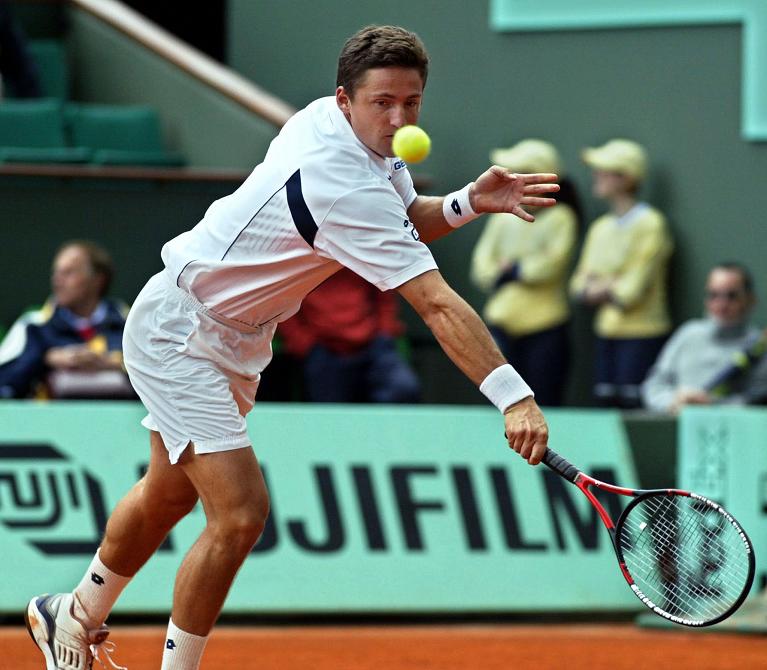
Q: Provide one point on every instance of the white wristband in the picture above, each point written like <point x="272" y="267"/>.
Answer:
<point x="457" y="209"/>
<point x="504" y="387"/>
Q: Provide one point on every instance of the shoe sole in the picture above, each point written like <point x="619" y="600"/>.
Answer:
<point x="39" y="631"/>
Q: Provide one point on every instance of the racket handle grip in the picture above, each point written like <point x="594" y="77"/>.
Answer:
<point x="560" y="465"/>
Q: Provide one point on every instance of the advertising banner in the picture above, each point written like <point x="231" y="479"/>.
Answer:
<point x="373" y="509"/>
<point x="723" y="455"/>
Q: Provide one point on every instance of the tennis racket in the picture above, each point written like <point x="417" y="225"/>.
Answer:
<point x="684" y="556"/>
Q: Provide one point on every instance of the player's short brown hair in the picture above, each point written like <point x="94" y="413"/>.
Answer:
<point x="380" y="46"/>
<point x="100" y="261"/>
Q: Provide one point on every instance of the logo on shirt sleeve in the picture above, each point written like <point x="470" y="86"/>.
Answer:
<point x="413" y="232"/>
<point x="398" y="165"/>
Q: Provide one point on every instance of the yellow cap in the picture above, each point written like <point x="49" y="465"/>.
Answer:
<point x="528" y="156"/>
<point x="622" y="156"/>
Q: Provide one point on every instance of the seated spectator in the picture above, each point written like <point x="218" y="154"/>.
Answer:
<point x="622" y="274"/>
<point x="71" y="347"/>
<point x="345" y="334"/>
<point x="702" y="361"/>
<point x="524" y="268"/>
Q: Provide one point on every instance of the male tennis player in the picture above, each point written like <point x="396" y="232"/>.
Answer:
<point x="328" y="194"/>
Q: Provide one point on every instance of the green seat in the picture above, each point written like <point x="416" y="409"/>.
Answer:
<point x="51" y="60"/>
<point x="31" y="123"/>
<point x="32" y="131"/>
<point x="120" y="135"/>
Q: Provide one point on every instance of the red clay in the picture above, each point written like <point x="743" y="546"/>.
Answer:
<point x="459" y="647"/>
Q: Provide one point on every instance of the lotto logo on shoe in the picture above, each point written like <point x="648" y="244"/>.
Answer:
<point x="97" y="579"/>
<point x="170" y="644"/>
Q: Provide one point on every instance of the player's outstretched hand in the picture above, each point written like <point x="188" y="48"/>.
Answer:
<point x="498" y="190"/>
<point x="526" y="430"/>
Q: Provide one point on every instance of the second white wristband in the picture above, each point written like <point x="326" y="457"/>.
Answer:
<point x="505" y="387"/>
<point x="457" y="209"/>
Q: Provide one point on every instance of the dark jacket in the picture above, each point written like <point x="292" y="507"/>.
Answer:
<point x="22" y="352"/>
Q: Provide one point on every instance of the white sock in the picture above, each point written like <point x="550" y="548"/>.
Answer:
<point x="97" y="593"/>
<point x="183" y="650"/>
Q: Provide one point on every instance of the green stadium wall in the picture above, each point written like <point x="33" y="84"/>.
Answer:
<point x="211" y="130"/>
<point x="677" y="90"/>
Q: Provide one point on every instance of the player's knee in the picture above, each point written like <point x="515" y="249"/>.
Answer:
<point x="169" y="504"/>
<point x="242" y="527"/>
<point x="179" y="506"/>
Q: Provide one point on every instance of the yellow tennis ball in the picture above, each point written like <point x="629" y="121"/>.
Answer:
<point x="411" y="144"/>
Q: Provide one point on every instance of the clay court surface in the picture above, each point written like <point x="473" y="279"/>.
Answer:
<point x="454" y="647"/>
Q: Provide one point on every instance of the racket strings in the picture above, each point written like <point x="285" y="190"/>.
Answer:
<point x="706" y="582"/>
<point x="667" y="564"/>
<point x="684" y="555"/>
<point x="689" y="603"/>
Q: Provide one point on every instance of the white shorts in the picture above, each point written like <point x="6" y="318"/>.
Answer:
<point x="197" y="375"/>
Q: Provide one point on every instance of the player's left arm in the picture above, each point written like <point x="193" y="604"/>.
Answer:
<point x="467" y="342"/>
<point x="495" y="190"/>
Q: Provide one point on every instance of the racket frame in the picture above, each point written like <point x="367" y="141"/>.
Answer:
<point x="584" y="482"/>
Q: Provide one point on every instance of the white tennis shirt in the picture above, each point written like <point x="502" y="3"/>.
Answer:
<point x="320" y="199"/>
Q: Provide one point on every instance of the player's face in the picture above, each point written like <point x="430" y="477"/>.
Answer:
<point x="386" y="99"/>
<point x="727" y="301"/>
<point x="72" y="279"/>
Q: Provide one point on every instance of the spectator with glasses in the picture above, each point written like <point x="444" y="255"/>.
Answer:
<point x="692" y="361"/>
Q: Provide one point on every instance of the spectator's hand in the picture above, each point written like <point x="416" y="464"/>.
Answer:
<point x="526" y="430"/>
<point x="499" y="190"/>
<point x="689" y="397"/>
<point x="79" y="357"/>
<point x="597" y="292"/>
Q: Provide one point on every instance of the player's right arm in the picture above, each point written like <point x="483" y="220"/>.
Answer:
<point x="465" y="339"/>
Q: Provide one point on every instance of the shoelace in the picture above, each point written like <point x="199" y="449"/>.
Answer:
<point x="108" y="648"/>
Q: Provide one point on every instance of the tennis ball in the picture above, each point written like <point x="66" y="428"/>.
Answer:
<point x="411" y="144"/>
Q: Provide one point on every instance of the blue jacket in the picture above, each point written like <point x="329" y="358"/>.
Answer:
<point x="22" y="352"/>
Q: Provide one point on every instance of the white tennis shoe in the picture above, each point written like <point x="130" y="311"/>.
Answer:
<point x="64" y="641"/>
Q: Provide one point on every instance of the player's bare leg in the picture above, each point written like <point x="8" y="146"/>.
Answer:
<point x="236" y="504"/>
<point x="69" y="627"/>
<point x="145" y="515"/>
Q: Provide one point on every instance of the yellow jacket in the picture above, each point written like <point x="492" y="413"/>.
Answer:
<point x="542" y="250"/>
<point x="632" y="251"/>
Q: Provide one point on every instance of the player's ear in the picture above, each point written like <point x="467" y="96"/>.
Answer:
<point x="343" y="100"/>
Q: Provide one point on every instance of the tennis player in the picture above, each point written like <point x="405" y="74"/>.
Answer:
<point x="328" y="194"/>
